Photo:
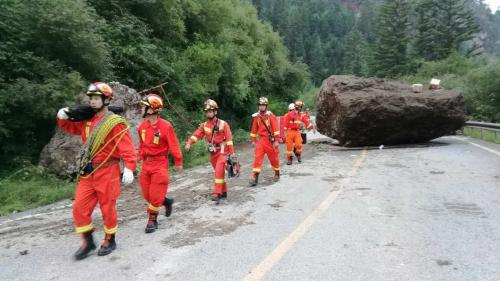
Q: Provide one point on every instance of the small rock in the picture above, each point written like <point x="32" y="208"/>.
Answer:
<point x="22" y="253"/>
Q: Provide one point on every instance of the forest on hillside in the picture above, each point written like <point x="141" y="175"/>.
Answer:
<point x="457" y="41"/>
<point x="232" y="51"/>
<point x="347" y="36"/>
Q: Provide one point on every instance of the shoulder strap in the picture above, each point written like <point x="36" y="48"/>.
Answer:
<point x="267" y="128"/>
<point x="213" y="131"/>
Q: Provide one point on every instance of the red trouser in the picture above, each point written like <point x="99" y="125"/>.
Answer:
<point x="219" y="161"/>
<point x="293" y="136"/>
<point x="154" y="181"/>
<point x="102" y="186"/>
<point x="265" y="147"/>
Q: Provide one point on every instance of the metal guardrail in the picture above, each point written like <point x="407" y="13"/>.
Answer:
<point x="483" y="125"/>
<point x="485" y="131"/>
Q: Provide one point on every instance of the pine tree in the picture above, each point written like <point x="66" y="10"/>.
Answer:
<point x="442" y="27"/>
<point x="356" y="54"/>
<point x="316" y="59"/>
<point x="391" y="51"/>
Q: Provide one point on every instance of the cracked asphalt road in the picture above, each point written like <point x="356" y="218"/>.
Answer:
<point x="421" y="212"/>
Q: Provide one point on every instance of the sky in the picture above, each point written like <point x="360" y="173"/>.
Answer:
<point x="494" y="4"/>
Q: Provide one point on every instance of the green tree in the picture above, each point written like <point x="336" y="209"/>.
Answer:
<point x="356" y="54"/>
<point x="391" y="51"/>
<point x="442" y="27"/>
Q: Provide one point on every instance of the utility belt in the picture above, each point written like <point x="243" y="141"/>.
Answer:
<point x="154" y="157"/>
<point x="93" y="165"/>
<point x="212" y="147"/>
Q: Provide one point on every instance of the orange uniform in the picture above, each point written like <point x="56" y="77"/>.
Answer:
<point x="222" y="142"/>
<point x="156" y="141"/>
<point x="103" y="185"/>
<point x="265" y="126"/>
<point x="293" y="123"/>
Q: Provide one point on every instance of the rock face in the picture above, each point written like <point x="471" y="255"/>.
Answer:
<point x="361" y="111"/>
<point x="61" y="155"/>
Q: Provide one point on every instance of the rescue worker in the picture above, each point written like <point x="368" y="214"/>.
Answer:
<point x="156" y="140"/>
<point x="305" y="114"/>
<point x="293" y="123"/>
<point x="220" y="145"/>
<point x="265" y="126"/>
<point x="106" y="140"/>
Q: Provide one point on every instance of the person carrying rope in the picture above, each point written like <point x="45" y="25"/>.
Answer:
<point x="220" y="146"/>
<point x="106" y="140"/>
<point x="157" y="139"/>
<point x="265" y="127"/>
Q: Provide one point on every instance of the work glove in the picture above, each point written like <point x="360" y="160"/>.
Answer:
<point x="61" y="114"/>
<point x="187" y="147"/>
<point x="128" y="176"/>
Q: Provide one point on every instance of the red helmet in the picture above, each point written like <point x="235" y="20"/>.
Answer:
<point x="100" y="88"/>
<point x="153" y="101"/>
<point x="210" y="105"/>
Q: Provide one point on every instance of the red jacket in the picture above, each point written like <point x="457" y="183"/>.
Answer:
<point x="260" y="121"/>
<point x="294" y="121"/>
<point x="159" y="139"/>
<point x="223" y="139"/>
<point x="125" y="149"/>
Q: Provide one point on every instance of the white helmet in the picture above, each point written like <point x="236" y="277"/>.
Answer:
<point x="291" y="106"/>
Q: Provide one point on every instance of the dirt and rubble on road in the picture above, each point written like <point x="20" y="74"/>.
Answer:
<point x="190" y="221"/>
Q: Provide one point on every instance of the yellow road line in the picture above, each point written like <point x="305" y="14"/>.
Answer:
<point x="275" y="256"/>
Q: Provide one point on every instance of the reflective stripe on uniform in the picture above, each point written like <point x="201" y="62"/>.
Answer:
<point x="256" y="170"/>
<point x="87" y="129"/>
<point x="207" y="129"/>
<point x="194" y="138"/>
<point x="83" y="229"/>
<point x="220" y="180"/>
<point x="229" y="142"/>
<point x="153" y="208"/>
<point x="253" y="135"/>
<point x="110" y="230"/>
<point x="276" y="133"/>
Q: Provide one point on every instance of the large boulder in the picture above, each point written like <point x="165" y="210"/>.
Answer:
<point x="362" y="111"/>
<point x="61" y="155"/>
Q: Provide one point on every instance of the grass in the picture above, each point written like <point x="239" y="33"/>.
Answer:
<point x="30" y="187"/>
<point x="483" y="134"/>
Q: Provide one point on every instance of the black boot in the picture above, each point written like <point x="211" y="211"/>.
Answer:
<point x="168" y="206"/>
<point x="290" y="159"/>
<point x="87" y="246"/>
<point x="223" y="195"/>
<point x="108" y="245"/>
<point x="299" y="159"/>
<point x="276" y="176"/>
<point x="216" y="198"/>
<point x="152" y="223"/>
<point x="255" y="179"/>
